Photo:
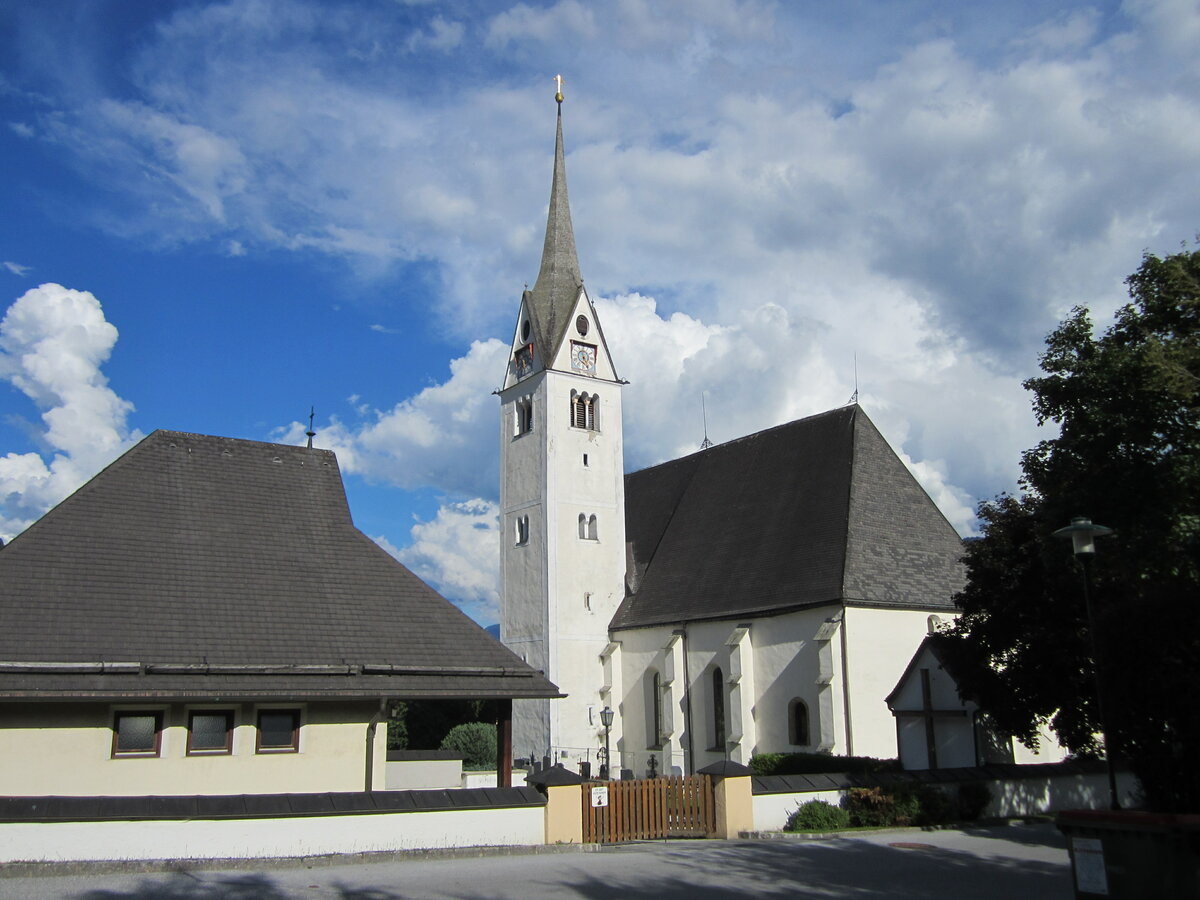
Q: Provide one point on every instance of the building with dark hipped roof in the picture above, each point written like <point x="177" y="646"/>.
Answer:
<point x="203" y="617"/>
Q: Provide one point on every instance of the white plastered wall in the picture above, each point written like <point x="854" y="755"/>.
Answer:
<point x="266" y="838"/>
<point x="52" y="749"/>
<point x="879" y="645"/>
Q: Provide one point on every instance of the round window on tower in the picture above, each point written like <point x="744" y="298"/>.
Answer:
<point x="581" y="325"/>
<point x="525" y="330"/>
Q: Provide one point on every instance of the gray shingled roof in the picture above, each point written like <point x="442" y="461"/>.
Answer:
<point x="817" y="511"/>
<point x="557" y="286"/>
<point x="191" y="558"/>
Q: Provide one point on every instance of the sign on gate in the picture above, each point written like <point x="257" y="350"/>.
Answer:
<point x="599" y="797"/>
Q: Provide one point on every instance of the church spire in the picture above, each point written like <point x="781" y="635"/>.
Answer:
<point x="559" y="279"/>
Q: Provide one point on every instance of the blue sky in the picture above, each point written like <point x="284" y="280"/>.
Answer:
<point x="220" y="214"/>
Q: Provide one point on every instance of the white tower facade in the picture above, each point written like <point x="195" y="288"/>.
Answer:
<point x="562" y="499"/>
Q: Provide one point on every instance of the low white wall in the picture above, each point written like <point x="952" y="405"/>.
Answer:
<point x="488" y="779"/>
<point x="423" y="774"/>
<point x="1010" y="798"/>
<point x="771" y="811"/>
<point x="264" y="838"/>
<point x="1035" y="796"/>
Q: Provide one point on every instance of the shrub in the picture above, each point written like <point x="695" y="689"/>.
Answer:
<point x="813" y="763"/>
<point x="817" y="815"/>
<point x="869" y="807"/>
<point x="973" y="799"/>
<point x="476" y="741"/>
<point x="936" y="807"/>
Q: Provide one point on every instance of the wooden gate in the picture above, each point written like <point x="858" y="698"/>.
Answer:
<point x="676" y="806"/>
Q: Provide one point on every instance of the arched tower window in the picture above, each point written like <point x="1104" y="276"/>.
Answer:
<point x="584" y="409"/>
<point x="524" y="415"/>
<point x="798" y="723"/>
<point x="582" y="527"/>
<point x="718" y="710"/>
<point x="522" y="535"/>
<point x="591" y="528"/>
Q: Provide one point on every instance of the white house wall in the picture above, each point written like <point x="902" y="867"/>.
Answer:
<point x="66" y="750"/>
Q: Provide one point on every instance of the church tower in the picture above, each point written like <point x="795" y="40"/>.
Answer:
<point x="561" y="498"/>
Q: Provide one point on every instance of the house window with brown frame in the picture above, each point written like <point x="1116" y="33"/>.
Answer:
<point x="137" y="733"/>
<point x="210" y="732"/>
<point x="278" y="731"/>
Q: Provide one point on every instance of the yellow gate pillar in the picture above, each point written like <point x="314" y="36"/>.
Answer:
<point x="733" y="797"/>
<point x="564" y="806"/>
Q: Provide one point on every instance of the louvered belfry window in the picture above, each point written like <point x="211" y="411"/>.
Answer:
<point x="584" y="409"/>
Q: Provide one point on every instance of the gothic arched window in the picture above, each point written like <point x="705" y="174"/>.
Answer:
<point x="798" y="723"/>
<point x="654" y="737"/>
<point x="718" y="710"/>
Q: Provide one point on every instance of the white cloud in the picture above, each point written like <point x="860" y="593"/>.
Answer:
<point x="458" y="554"/>
<point x="53" y="342"/>
<point x="444" y="436"/>
<point x="17" y="269"/>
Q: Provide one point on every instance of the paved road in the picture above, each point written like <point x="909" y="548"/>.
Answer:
<point x="1027" y="862"/>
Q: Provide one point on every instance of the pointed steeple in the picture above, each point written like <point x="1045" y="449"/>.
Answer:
<point x="559" y="279"/>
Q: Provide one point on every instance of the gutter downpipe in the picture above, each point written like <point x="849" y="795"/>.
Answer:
<point x="846" y="683"/>
<point x="380" y="714"/>
<point x="687" y="700"/>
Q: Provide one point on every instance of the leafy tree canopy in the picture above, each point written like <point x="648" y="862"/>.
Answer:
<point x="1127" y="455"/>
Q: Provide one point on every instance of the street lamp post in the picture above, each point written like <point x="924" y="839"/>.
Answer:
<point x="606" y="719"/>
<point x="1083" y="533"/>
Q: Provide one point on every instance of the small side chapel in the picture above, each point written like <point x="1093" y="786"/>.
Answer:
<point x="759" y="596"/>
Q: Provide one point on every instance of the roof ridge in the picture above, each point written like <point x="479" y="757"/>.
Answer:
<point x="853" y="408"/>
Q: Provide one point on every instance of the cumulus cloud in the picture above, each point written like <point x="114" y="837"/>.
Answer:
<point x="53" y="343"/>
<point x="445" y="436"/>
<point x="458" y="553"/>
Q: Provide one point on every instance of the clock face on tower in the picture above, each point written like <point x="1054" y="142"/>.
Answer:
<point x="583" y="357"/>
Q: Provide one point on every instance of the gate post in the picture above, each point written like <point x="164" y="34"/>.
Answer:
<point x="734" y="797"/>
<point x="563" y="823"/>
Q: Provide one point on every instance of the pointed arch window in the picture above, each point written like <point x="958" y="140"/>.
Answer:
<point x="654" y="706"/>
<point x="798" y="727"/>
<point x="718" y="710"/>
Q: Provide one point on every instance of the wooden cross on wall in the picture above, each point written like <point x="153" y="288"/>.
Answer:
<point x="930" y="715"/>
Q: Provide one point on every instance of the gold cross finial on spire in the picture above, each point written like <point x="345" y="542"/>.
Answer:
<point x="558" y="88"/>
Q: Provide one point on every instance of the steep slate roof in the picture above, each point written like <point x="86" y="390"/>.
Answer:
<point x="559" y="279"/>
<point x="198" y="566"/>
<point x="817" y="511"/>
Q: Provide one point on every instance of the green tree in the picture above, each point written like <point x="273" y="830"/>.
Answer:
<point x="1127" y="455"/>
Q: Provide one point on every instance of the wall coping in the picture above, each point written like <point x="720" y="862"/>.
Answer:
<point x="261" y="806"/>
<point x="840" y="781"/>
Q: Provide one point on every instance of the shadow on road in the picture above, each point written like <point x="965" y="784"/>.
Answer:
<point x="841" y="869"/>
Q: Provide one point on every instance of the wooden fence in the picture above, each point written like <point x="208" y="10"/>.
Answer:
<point x="677" y="806"/>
